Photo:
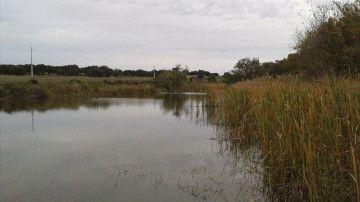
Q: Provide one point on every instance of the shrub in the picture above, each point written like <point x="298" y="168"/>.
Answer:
<point x="171" y="80"/>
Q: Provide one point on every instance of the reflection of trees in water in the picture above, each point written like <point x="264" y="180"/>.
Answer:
<point x="241" y="154"/>
<point x="43" y="106"/>
<point x="69" y="104"/>
<point x="174" y="104"/>
<point x="192" y="107"/>
<point x="198" y="111"/>
<point x="40" y="106"/>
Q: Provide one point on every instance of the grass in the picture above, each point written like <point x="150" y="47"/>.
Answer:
<point x="45" y="87"/>
<point x="5" y="78"/>
<point x="309" y="133"/>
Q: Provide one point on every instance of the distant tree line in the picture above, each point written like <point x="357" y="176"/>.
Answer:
<point x="92" y="71"/>
<point x="329" y="45"/>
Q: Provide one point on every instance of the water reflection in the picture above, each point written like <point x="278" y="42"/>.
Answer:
<point x="193" y="107"/>
<point x="155" y="149"/>
<point x="32" y="121"/>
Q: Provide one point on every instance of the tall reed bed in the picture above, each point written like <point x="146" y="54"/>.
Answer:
<point x="309" y="133"/>
<point x="200" y="87"/>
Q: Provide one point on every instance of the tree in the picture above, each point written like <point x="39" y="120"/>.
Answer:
<point x="228" y="78"/>
<point x="287" y="65"/>
<point x="211" y="79"/>
<point x="95" y="71"/>
<point x="331" y="42"/>
<point x="171" y="80"/>
<point x="177" y="67"/>
<point x="246" y="68"/>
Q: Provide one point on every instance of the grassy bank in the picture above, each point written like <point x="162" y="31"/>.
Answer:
<point x="53" y="87"/>
<point x="47" y="87"/>
<point x="309" y="133"/>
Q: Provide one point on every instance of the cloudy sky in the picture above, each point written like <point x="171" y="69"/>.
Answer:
<point x="208" y="34"/>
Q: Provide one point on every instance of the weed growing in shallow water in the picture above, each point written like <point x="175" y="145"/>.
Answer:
<point x="309" y="133"/>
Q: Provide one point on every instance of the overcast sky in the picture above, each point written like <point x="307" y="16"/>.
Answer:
<point x="131" y="34"/>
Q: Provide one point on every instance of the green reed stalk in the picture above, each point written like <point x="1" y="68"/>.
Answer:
<point x="309" y="134"/>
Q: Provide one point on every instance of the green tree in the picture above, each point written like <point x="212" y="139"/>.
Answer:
<point x="211" y="79"/>
<point x="287" y="65"/>
<point x="229" y="78"/>
<point x="171" y="80"/>
<point x="331" y="42"/>
<point x="246" y="68"/>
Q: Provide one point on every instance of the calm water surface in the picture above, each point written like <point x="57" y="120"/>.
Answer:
<point x="123" y="149"/>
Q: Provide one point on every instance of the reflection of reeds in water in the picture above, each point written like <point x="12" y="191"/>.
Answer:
<point x="196" y="108"/>
<point x="199" y="111"/>
<point x="308" y="133"/>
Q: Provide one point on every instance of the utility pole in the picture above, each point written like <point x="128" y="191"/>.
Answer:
<point x="154" y="73"/>
<point x="31" y="60"/>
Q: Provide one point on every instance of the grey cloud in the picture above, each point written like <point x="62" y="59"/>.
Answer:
<point x="261" y="8"/>
<point x="144" y="33"/>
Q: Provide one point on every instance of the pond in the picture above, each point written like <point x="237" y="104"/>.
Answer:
<point x="165" y="148"/>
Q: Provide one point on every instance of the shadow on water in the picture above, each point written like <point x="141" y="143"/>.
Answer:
<point x="240" y="177"/>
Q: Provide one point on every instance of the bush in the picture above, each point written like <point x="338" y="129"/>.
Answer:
<point x="171" y="80"/>
<point x="331" y="42"/>
<point x="212" y="79"/>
